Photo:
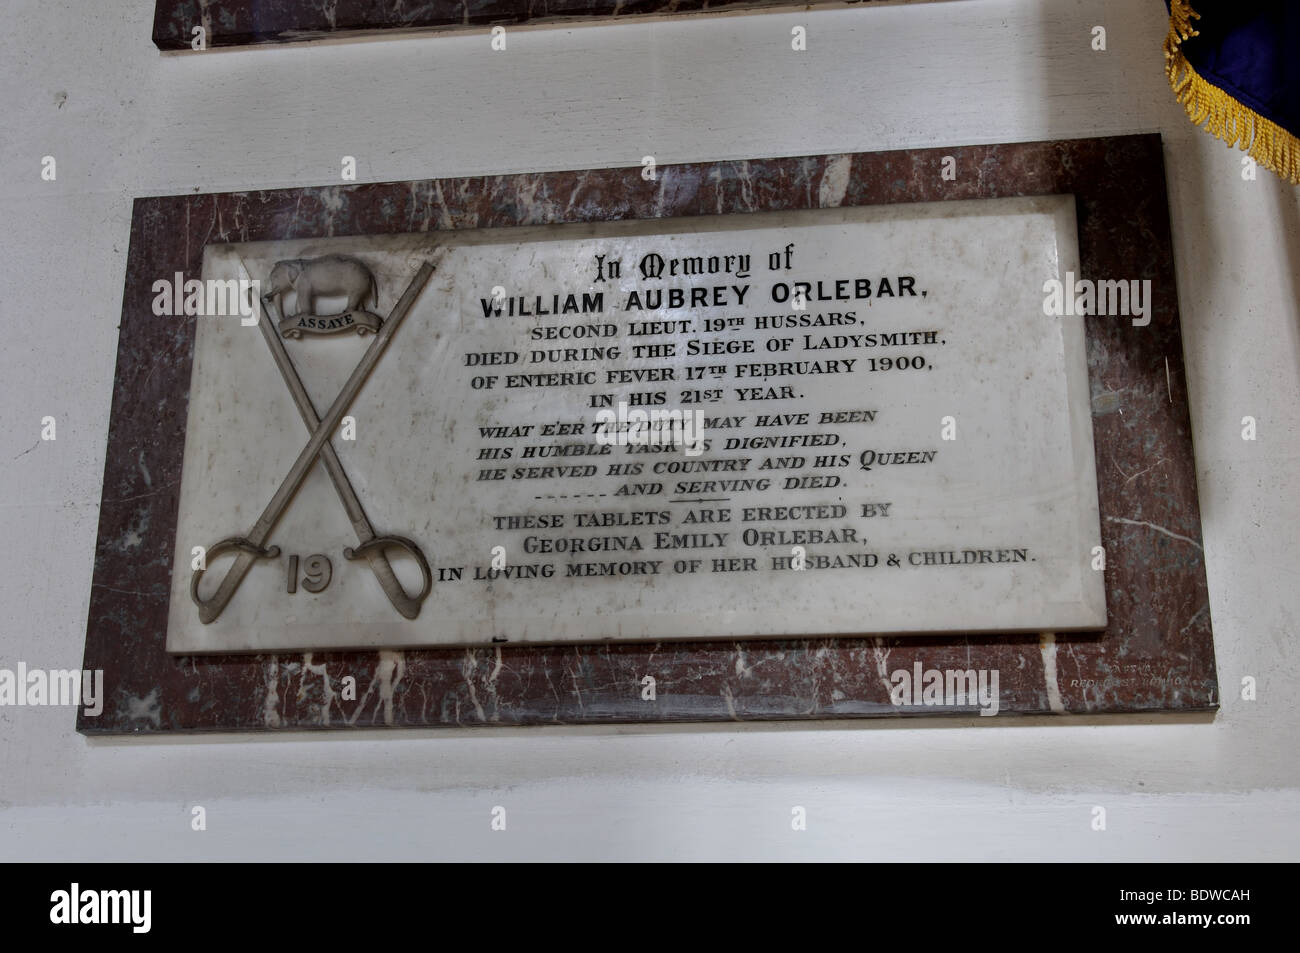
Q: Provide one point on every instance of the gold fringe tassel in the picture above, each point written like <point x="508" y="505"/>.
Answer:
<point x="1266" y="142"/>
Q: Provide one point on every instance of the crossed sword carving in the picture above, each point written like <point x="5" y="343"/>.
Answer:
<point x="371" y="547"/>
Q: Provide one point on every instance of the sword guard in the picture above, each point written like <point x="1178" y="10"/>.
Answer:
<point x="407" y="605"/>
<point x="211" y="608"/>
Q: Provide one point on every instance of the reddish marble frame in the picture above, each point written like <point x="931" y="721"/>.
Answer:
<point x="1156" y="655"/>
<point x="258" y="22"/>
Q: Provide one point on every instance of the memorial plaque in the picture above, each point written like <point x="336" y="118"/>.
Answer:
<point x="756" y="440"/>
<point x="829" y="421"/>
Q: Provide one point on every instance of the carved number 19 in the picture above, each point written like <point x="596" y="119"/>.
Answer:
<point x="316" y="573"/>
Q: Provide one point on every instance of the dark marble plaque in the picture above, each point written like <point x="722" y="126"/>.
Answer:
<point x="1155" y="655"/>
<point x="254" y="22"/>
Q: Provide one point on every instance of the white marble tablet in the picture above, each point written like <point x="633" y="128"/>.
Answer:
<point x="915" y="433"/>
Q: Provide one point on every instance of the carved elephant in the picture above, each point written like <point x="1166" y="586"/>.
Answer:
<point x="328" y="276"/>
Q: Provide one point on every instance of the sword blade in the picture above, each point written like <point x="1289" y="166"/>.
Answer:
<point x="325" y="429"/>
<point x="377" y="558"/>
<point x="307" y="410"/>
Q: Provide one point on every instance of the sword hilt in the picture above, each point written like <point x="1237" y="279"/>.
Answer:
<point x="249" y="552"/>
<point x="376" y="550"/>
